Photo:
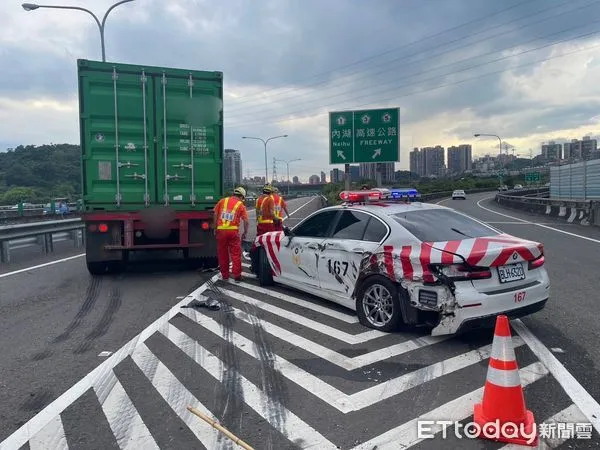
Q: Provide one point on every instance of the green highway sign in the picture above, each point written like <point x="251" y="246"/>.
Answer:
<point x="532" y="177"/>
<point x="364" y="136"/>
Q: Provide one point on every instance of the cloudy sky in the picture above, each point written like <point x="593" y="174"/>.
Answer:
<point x="526" y="70"/>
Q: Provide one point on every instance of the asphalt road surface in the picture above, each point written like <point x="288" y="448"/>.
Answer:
<point x="56" y="319"/>
<point x="278" y="368"/>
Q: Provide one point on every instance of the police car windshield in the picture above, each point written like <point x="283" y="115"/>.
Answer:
<point x="436" y="225"/>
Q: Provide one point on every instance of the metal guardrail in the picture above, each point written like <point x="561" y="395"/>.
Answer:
<point x="585" y="212"/>
<point x="45" y="232"/>
<point x="12" y="214"/>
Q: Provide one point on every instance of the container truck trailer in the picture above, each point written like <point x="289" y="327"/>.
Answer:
<point x="152" y="161"/>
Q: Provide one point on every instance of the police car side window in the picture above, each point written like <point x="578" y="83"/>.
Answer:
<point x="375" y="231"/>
<point x="351" y="225"/>
<point x="317" y="226"/>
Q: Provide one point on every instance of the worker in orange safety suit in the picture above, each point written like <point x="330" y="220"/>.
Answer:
<point x="229" y="212"/>
<point x="265" y="211"/>
<point x="280" y="205"/>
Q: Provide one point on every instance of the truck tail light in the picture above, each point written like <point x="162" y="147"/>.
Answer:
<point x="102" y="228"/>
<point x="205" y="226"/>
<point x="537" y="263"/>
<point x="463" y="272"/>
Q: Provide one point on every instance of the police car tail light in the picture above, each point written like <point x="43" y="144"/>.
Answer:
<point x="360" y="196"/>
<point x="537" y="263"/>
<point x="461" y="272"/>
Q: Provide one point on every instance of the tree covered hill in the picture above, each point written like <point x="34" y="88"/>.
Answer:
<point x="38" y="174"/>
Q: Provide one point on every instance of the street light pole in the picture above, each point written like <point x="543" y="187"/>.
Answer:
<point x="101" y="24"/>
<point x="492" y="135"/>
<point x="287" y="163"/>
<point x="265" y="142"/>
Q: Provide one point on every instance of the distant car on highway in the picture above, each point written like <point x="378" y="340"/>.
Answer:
<point x="459" y="194"/>
<point x="503" y="188"/>
<point x="397" y="262"/>
<point x="517" y="187"/>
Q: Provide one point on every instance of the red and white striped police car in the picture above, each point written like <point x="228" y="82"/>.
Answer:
<point x="406" y="263"/>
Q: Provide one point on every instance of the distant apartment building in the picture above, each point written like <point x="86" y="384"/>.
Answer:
<point x="552" y="151"/>
<point x="336" y="176"/>
<point x="460" y="159"/>
<point x="323" y="177"/>
<point x="435" y="161"/>
<point x="295" y="180"/>
<point x="314" y="179"/>
<point x="428" y="161"/>
<point x="232" y="170"/>
<point x="368" y="171"/>
<point x="586" y="148"/>
<point x="354" y="173"/>
<point x="417" y="162"/>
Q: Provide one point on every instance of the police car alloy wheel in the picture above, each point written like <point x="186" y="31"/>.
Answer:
<point x="378" y="305"/>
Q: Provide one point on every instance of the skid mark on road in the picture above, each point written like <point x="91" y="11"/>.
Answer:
<point x="91" y="295"/>
<point x="230" y="399"/>
<point x="114" y="303"/>
<point x="272" y="381"/>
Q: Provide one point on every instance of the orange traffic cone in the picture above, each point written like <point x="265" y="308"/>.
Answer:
<point x="502" y="415"/>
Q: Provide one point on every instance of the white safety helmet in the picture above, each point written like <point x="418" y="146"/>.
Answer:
<point x="240" y="191"/>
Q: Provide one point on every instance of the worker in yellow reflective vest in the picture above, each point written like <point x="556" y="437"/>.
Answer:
<point x="229" y="213"/>
<point x="280" y="206"/>
<point x="265" y="211"/>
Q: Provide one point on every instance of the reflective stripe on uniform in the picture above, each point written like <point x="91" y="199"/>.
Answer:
<point x="279" y="207"/>
<point x="259" y="204"/>
<point x="227" y="216"/>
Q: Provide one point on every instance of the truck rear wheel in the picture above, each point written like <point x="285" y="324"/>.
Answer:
<point x="103" y="268"/>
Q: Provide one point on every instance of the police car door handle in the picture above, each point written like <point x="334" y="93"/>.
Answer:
<point x="358" y="250"/>
<point x="312" y="246"/>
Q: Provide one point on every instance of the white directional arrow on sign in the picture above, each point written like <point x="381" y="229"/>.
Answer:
<point x="376" y="153"/>
<point x="341" y="155"/>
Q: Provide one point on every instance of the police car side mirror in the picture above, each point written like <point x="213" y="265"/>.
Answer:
<point x="287" y="231"/>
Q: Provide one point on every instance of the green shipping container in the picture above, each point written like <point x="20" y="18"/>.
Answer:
<point x="150" y="137"/>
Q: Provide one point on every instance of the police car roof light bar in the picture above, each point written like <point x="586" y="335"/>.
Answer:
<point x="360" y="196"/>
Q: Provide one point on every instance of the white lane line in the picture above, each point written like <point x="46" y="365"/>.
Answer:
<point x="298" y="209"/>
<point x="308" y="323"/>
<point x="334" y="397"/>
<point x="586" y="403"/>
<point x="334" y="357"/>
<point x="303" y="303"/>
<point x="571" y="414"/>
<point x="395" y="386"/>
<point x="39" y="266"/>
<point x="127" y="426"/>
<point x="51" y="436"/>
<point x="294" y="429"/>
<point x="536" y="224"/>
<point x="95" y="377"/>
<point x="176" y="395"/>
<point x="406" y="435"/>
